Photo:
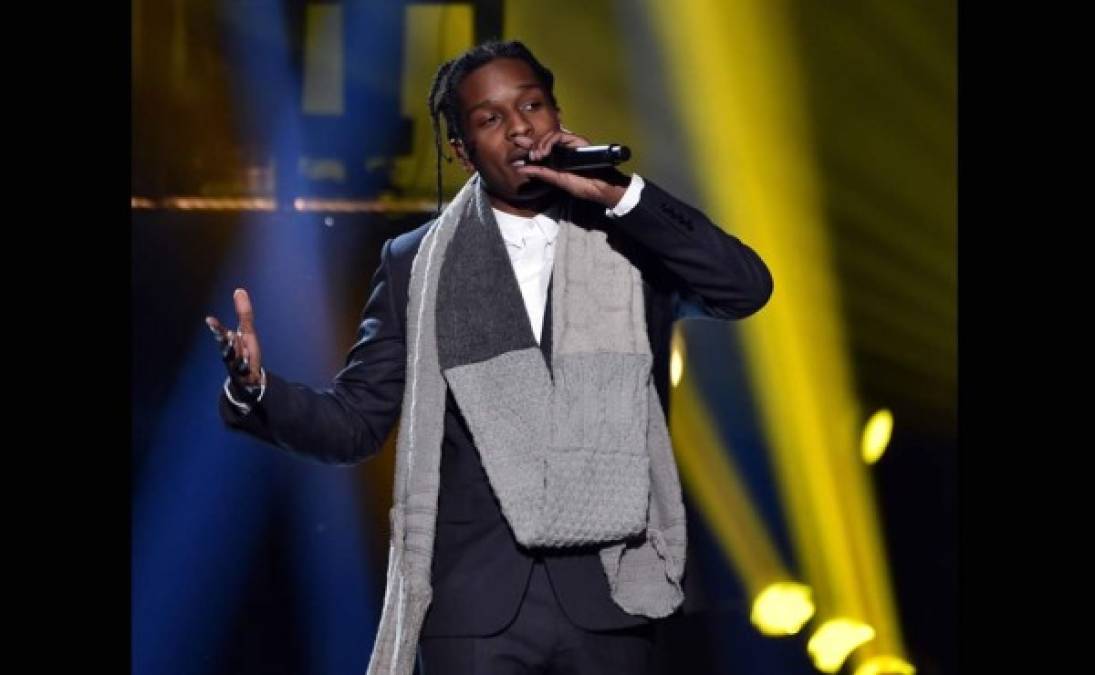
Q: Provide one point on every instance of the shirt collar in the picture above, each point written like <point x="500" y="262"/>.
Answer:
<point x="514" y="229"/>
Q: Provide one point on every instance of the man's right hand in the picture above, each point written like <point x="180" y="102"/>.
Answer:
<point x="240" y="348"/>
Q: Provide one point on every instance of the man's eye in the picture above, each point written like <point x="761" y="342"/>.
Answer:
<point x="533" y="105"/>
<point x="488" y="120"/>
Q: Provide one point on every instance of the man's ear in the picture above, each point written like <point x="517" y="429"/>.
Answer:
<point x="461" y="153"/>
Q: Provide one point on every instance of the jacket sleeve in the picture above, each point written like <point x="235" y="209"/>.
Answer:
<point x="726" y="275"/>
<point x="350" y="420"/>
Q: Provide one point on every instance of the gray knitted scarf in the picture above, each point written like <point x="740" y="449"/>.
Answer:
<point x="577" y="454"/>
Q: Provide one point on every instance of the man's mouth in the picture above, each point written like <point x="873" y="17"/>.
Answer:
<point x="518" y="158"/>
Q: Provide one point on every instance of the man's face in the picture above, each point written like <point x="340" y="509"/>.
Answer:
<point x="503" y="110"/>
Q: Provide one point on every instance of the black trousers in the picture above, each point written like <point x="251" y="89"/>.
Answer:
<point x="541" y="640"/>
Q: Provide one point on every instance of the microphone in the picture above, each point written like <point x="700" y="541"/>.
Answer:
<point x="587" y="157"/>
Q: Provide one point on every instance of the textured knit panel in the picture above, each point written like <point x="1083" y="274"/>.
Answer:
<point x="567" y="459"/>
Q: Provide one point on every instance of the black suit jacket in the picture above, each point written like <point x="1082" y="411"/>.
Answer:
<point x="479" y="570"/>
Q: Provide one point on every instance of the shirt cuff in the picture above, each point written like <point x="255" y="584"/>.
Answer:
<point x="243" y="406"/>
<point x="630" y="198"/>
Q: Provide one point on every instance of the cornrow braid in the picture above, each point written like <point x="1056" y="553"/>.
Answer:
<point x="442" y="100"/>
<point x="434" y="102"/>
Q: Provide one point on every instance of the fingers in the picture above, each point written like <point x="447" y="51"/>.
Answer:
<point x="231" y="347"/>
<point x="224" y="337"/>
<point x="237" y="356"/>
<point x="242" y="366"/>
<point x="545" y="174"/>
<point x="581" y="186"/>
<point x="231" y="352"/>
<point x="542" y="148"/>
<point x="215" y="327"/>
<point x="239" y="349"/>
<point x="248" y="366"/>
<point x="244" y="311"/>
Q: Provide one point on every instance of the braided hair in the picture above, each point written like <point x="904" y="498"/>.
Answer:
<point x="442" y="99"/>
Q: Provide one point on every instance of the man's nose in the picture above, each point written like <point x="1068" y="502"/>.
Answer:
<point x="519" y="126"/>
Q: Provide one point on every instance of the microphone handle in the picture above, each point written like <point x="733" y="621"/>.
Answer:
<point x="587" y="157"/>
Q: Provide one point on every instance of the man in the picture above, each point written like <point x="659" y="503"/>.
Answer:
<point x="522" y="338"/>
